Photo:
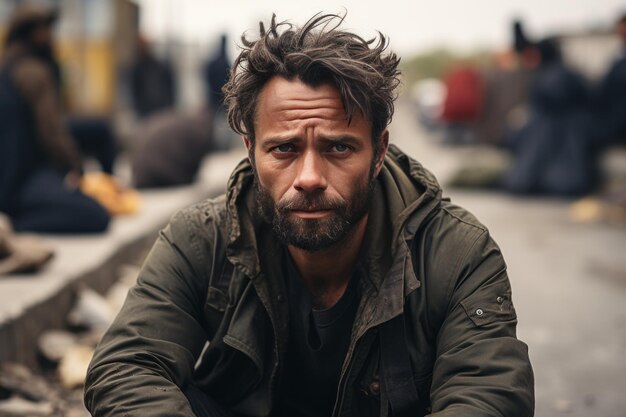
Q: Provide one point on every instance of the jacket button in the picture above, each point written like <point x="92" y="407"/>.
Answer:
<point x="479" y="312"/>
<point x="280" y="298"/>
<point x="375" y="388"/>
<point x="500" y="300"/>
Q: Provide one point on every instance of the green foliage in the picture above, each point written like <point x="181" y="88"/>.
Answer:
<point x="435" y="63"/>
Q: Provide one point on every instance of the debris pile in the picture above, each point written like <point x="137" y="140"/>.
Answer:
<point x="55" y="390"/>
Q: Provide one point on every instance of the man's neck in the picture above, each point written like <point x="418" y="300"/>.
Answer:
<point x="326" y="273"/>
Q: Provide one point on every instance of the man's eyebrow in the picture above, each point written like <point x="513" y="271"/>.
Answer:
<point x="279" y="140"/>
<point x="273" y="141"/>
<point x="341" y="138"/>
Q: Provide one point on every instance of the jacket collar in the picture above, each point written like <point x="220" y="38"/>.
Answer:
<point x="242" y="220"/>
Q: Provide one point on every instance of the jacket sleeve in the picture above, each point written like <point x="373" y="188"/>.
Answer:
<point x="481" y="368"/>
<point x="149" y="351"/>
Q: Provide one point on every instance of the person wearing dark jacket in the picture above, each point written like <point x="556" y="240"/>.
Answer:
<point x="39" y="163"/>
<point x="216" y="74"/>
<point x="332" y="278"/>
<point x="611" y="96"/>
<point x="554" y="152"/>
<point x="152" y="82"/>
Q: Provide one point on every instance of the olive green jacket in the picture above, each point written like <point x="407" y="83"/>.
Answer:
<point x="215" y="275"/>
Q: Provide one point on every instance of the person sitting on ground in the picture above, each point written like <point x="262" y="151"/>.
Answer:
<point x="170" y="147"/>
<point x="554" y="152"/>
<point x="40" y="167"/>
<point x="611" y="96"/>
<point x="332" y="278"/>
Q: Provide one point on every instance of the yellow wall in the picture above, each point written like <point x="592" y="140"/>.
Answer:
<point x="91" y="64"/>
<point x="89" y="74"/>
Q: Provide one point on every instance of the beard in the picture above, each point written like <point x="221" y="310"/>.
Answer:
<point x="314" y="235"/>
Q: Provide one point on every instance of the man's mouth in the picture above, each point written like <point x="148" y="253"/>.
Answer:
<point x="311" y="213"/>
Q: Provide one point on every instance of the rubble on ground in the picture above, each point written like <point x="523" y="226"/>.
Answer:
<point x="56" y="390"/>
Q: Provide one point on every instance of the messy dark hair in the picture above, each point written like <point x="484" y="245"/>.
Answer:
<point x="316" y="53"/>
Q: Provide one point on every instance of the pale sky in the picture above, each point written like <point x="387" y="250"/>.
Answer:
<point x="413" y="26"/>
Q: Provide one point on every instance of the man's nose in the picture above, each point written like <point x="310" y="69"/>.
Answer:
<point x="311" y="176"/>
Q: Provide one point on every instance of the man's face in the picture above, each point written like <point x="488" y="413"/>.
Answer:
<point x="314" y="172"/>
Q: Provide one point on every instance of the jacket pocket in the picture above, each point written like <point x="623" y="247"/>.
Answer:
<point x="369" y="389"/>
<point x="214" y="309"/>
<point x="216" y="299"/>
<point x="226" y="374"/>
<point x="483" y="309"/>
<point x="368" y="397"/>
<point x="218" y="296"/>
<point x="423" y="384"/>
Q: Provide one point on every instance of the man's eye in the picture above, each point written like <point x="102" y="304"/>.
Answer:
<point x="340" y="147"/>
<point x="283" y="148"/>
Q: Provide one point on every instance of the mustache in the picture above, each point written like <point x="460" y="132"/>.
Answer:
<point x="304" y="202"/>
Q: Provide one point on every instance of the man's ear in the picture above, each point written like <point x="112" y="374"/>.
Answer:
<point x="249" y="146"/>
<point x="247" y="142"/>
<point x="383" y="144"/>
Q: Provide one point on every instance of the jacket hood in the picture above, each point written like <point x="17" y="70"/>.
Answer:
<point x="405" y="193"/>
<point x="411" y="191"/>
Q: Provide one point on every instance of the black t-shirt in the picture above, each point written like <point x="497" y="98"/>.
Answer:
<point x="318" y="343"/>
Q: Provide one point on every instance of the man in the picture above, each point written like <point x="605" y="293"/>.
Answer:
<point x="152" y="82"/>
<point x="553" y="151"/>
<point x="215" y="74"/>
<point x="331" y="279"/>
<point x="611" y="109"/>
<point x="40" y="165"/>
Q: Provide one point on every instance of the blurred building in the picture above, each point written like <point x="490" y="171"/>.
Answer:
<point x="95" y="40"/>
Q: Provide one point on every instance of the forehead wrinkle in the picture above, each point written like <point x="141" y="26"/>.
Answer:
<point x="323" y="115"/>
<point x="294" y="109"/>
<point x="307" y="104"/>
<point x="301" y="109"/>
<point x="296" y="106"/>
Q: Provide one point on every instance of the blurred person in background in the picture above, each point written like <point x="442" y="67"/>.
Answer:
<point x="507" y="86"/>
<point x="40" y="165"/>
<point x="92" y="135"/>
<point x="554" y="152"/>
<point x="152" y="82"/>
<point x="462" y="105"/>
<point x="169" y="148"/>
<point x="215" y="75"/>
<point x="216" y="72"/>
<point x="611" y="109"/>
<point x="95" y="137"/>
<point x="332" y="278"/>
